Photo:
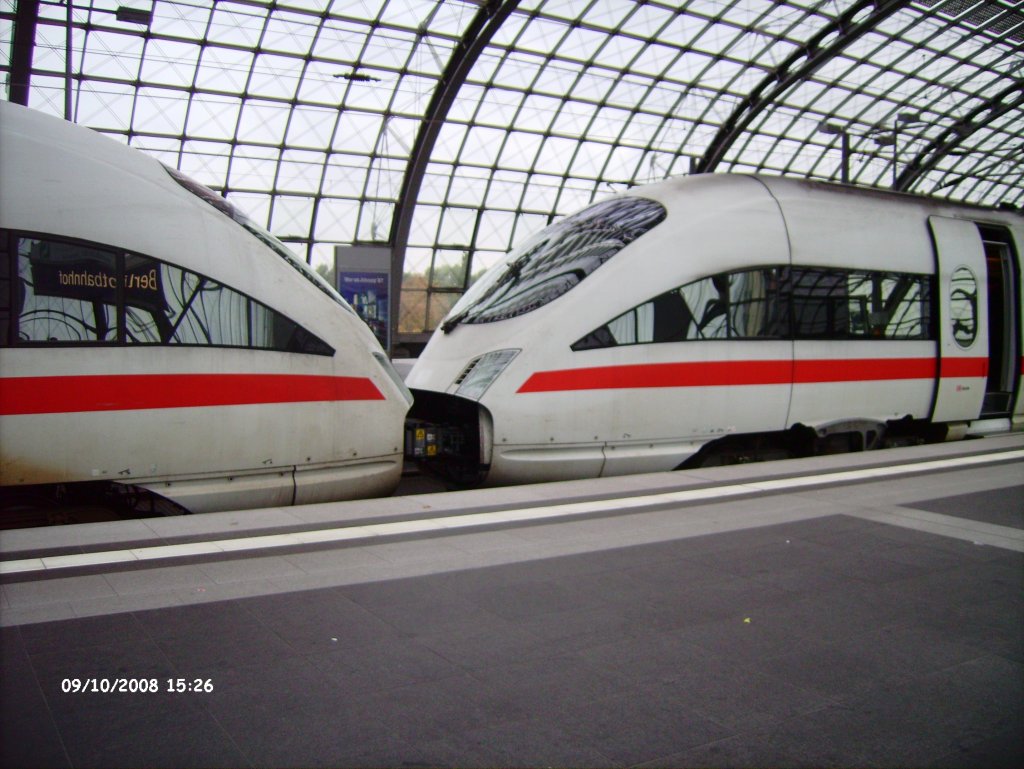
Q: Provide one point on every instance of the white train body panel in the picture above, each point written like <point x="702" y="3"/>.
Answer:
<point x="848" y="228"/>
<point x="219" y="425"/>
<point x="617" y="407"/>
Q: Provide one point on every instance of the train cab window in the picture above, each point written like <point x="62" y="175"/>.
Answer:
<point x="73" y="293"/>
<point x="555" y="260"/>
<point x="65" y="292"/>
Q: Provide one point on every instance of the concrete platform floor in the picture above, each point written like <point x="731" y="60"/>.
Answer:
<point x="858" y="624"/>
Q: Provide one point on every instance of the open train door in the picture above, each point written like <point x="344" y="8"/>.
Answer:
<point x="1004" y="343"/>
<point x="963" y="350"/>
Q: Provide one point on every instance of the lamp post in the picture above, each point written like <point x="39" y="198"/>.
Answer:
<point x="883" y="136"/>
<point x="68" y="40"/>
<point x="834" y="129"/>
<point x="891" y="138"/>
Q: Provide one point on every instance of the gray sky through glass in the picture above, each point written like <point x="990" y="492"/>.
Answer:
<point x="312" y="115"/>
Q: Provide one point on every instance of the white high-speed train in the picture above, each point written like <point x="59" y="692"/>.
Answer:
<point x="153" y="340"/>
<point x="722" y="318"/>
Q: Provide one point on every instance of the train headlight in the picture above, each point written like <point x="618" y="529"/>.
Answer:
<point x="481" y="372"/>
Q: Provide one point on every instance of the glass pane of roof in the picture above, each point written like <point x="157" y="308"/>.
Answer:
<point x="309" y="114"/>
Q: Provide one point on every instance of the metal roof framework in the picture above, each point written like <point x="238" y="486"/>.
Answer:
<point x="449" y="130"/>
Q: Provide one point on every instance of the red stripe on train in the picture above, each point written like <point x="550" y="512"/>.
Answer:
<point x="125" y="392"/>
<point x="765" y="372"/>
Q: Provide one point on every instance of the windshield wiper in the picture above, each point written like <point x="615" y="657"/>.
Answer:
<point x="449" y="325"/>
<point x="508" y="278"/>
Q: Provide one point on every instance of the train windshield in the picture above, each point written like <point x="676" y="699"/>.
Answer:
<point x="275" y="245"/>
<point x="555" y="260"/>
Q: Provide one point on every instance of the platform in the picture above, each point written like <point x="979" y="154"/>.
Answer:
<point x="858" y="610"/>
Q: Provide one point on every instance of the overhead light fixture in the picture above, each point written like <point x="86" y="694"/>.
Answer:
<point x="134" y="15"/>
<point x="357" y="77"/>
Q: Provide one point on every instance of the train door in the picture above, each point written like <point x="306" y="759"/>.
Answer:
<point x="962" y="298"/>
<point x="1003" y="329"/>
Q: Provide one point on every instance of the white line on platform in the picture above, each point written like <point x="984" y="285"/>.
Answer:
<point x="570" y="509"/>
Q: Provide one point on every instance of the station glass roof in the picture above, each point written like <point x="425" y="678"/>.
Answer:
<point x="449" y="130"/>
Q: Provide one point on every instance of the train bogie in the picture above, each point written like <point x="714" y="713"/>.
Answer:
<point x="728" y="312"/>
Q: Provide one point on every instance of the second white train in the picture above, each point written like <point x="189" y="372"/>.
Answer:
<point x="721" y="318"/>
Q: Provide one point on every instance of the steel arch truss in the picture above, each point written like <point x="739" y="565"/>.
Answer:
<point x="823" y="47"/>
<point x="1008" y="102"/>
<point x="449" y="130"/>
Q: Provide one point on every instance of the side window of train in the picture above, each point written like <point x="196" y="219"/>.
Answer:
<point x="777" y="303"/>
<point x="5" y="289"/>
<point x="739" y="305"/>
<point x="165" y="304"/>
<point x="73" y="293"/>
<point x="64" y="293"/>
<point x="852" y="304"/>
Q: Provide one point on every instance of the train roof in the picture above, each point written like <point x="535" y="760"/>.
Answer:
<point x="789" y="187"/>
<point x="21" y="128"/>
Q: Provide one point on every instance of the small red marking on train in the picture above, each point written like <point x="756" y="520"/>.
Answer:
<point x="763" y="372"/>
<point x="128" y="392"/>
